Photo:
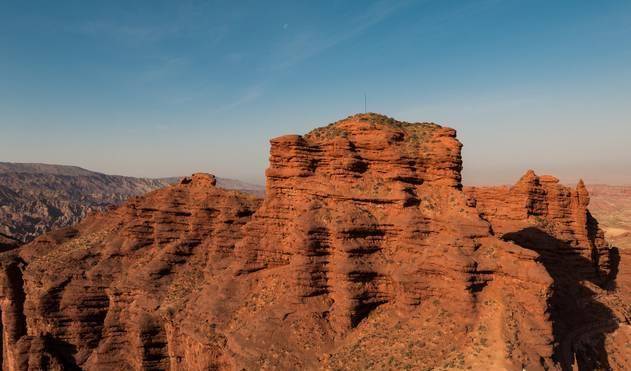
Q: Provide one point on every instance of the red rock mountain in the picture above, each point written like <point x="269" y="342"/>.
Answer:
<point x="36" y="198"/>
<point x="585" y="305"/>
<point x="366" y="253"/>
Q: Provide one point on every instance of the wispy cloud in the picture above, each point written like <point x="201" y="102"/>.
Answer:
<point x="131" y="32"/>
<point x="309" y="43"/>
<point x="163" y="67"/>
<point x="249" y="94"/>
<point x="177" y="20"/>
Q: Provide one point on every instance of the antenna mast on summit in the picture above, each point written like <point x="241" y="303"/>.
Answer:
<point x="365" y="110"/>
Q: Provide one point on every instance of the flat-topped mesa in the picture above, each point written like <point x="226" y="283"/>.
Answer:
<point x="366" y="216"/>
<point x="365" y="233"/>
<point x="366" y="155"/>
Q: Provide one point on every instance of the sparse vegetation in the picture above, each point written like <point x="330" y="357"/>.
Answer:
<point x="415" y="132"/>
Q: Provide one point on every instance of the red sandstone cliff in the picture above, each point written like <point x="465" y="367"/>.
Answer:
<point x="365" y="253"/>
<point x="96" y="295"/>
<point x="541" y="215"/>
<point x="541" y="202"/>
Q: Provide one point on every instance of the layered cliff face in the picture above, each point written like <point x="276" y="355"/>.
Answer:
<point x="365" y="228"/>
<point x="585" y="306"/>
<point x="365" y="253"/>
<point x="98" y="295"/>
<point x="541" y="202"/>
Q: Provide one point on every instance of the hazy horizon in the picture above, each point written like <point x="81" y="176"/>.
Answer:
<point x="261" y="180"/>
<point x="159" y="89"/>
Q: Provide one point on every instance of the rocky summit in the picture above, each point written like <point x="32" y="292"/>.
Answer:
<point x="366" y="253"/>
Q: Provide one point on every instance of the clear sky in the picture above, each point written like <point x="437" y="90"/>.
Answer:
<point x="164" y="88"/>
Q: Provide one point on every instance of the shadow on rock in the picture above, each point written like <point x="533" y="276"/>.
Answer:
<point x="580" y="322"/>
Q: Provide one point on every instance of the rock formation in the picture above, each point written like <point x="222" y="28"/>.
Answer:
<point x="539" y="214"/>
<point x="87" y="296"/>
<point x="541" y="202"/>
<point x="366" y="253"/>
<point x="36" y="198"/>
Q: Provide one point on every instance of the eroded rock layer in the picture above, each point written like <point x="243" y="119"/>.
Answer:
<point x="541" y="202"/>
<point x="586" y="304"/>
<point x="365" y="254"/>
<point x="364" y="226"/>
<point x="99" y="295"/>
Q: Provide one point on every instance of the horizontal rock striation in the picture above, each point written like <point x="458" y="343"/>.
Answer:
<point x="365" y="219"/>
<point x="541" y="215"/>
<point x="540" y="202"/>
<point x="366" y="253"/>
<point x="95" y="296"/>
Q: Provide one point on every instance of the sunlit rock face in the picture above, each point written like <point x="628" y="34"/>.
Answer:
<point x="365" y="253"/>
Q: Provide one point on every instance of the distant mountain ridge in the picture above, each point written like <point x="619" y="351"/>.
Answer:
<point x="35" y="197"/>
<point x="39" y="168"/>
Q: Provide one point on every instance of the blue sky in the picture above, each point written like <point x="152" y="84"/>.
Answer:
<point x="153" y="88"/>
